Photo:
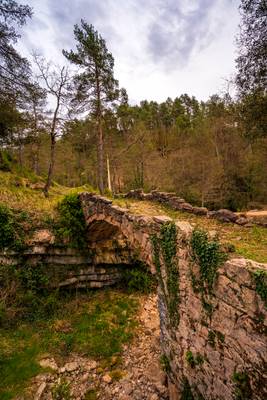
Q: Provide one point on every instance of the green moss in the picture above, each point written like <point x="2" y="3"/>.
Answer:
<point x="165" y="245"/>
<point x="260" y="278"/>
<point x="243" y="389"/>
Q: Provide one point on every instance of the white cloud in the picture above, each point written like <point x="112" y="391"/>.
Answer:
<point x="161" y="47"/>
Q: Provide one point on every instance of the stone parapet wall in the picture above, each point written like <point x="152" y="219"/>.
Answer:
<point x="220" y="354"/>
<point x="217" y="348"/>
<point x="178" y="204"/>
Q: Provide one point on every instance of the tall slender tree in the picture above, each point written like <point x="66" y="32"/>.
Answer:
<point x="96" y="86"/>
<point x="251" y="63"/>
<point x="14" y="69"/>
<point x="55" y="80"/>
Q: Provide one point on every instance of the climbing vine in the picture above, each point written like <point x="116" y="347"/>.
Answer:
<point x="165" y="249"/>
<point x="260" y="278"/>
<point x="243" y="389"/>
<point x="208" y="255"/>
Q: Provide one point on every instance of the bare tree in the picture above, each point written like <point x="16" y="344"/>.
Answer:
<point x="56" y="80"/>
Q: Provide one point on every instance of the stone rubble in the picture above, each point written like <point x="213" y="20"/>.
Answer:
<point x="140" y="373"/>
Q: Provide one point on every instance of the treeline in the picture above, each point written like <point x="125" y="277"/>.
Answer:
<point x="213" y="153"/>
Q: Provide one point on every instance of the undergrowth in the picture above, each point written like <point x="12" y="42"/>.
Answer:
<point x="11" y="230"/>
<point x="138" y="279"/>
<point x="70" y="224"/>
<point x="95" y="324"/>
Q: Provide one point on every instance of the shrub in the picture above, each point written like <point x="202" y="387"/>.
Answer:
<point x="71" y="223"/>
<point x="11" y="233"/>
<point x="5" y="161"/>
<point x="138" y="279"/>
<point x="7" y="227"/>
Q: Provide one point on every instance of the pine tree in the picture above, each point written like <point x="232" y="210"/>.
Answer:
<point x="95" y="85"/>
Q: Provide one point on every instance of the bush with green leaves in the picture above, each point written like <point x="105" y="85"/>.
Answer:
<point x="7" y="227"/>
<point x="138" y="279"/>
<point x="11" y="231"/>
<point x="71" y="224"/>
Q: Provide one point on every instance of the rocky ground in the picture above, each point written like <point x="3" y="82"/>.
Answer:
<point x="135" y="375"/>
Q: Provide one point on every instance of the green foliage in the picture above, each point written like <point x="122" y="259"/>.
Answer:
<point x="99" y="323"/>
<point x="166" y="246"/>
<point x="186" y="391"/>
<point x="11" y="234"/>
<point x="138" y="279"/>
<point x="71" y="223"/>
<point x="7" y="229"/>
<point x="243" y="389"/>
<point x="26" y="297"/>
<point x="260" y="278"/>
<point x="165" y="363"/>
<point x="207" y="254"/>
<point x="190" y="358"/>
<point x="5" y="161"/>
<point x="211" y="338"/>
<point x="194" y="360"/>
<point x="61" y="391"/>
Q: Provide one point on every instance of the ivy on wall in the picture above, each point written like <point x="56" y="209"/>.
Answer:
<point x="207" y="254"/>
<point x="165" y="251"/>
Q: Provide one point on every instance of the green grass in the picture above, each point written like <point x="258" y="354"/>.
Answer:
<point x="248" y="242"/>
<point x="16" y="193"/>
<point x="100" y="323"/>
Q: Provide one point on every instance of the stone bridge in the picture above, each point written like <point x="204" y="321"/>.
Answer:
<point x="216" y="349"/>
<point x="113" y="226"/>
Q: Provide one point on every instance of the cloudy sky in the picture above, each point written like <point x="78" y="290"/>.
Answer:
<point x="161" y="47"/>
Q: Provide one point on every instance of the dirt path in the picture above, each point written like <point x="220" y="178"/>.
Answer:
<point x="144" y="379"/>
<point x="137" y="375"/>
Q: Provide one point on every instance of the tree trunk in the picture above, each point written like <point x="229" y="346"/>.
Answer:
<point x="100" y="158"/>
<point x="51" y="166"/>
<point x="100" y="142"/>
<point x="109" y="179"/>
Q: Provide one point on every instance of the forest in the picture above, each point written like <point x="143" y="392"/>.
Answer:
<point x="73" y="124"/>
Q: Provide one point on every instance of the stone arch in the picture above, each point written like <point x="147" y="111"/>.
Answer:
<point x="105" y="220"/>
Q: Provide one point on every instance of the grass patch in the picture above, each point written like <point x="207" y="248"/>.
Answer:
<point x="18" y="193"/>
<point x="248" y="242"/>
<point x="98" y="323"/>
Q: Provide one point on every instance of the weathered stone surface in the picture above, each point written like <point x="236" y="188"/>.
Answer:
<point x="43" y="236"/>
